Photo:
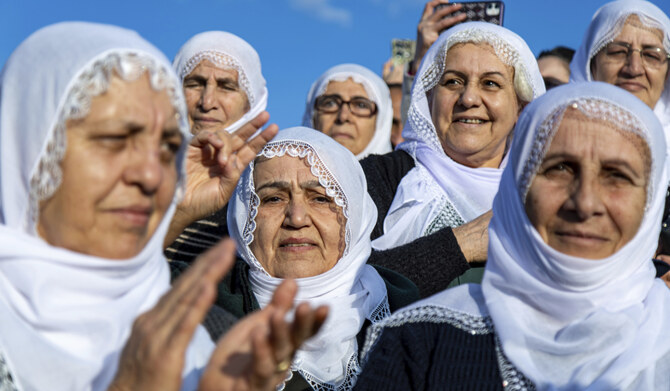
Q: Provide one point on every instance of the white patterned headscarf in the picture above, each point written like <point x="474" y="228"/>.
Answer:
<point x="566" y="322"/>
<point x="227" y="51"/>
<point x="440" y="192"/>
<point x="605" y="26"/>
<point x="65" y="315"/>
<point x="353" y="290"/>
<point x="377" y="91"/>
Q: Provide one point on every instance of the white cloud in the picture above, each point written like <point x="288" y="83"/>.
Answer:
<point x="323" y="10"/>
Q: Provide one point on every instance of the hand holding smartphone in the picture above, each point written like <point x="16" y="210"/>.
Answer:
<point x="483" y="11"/>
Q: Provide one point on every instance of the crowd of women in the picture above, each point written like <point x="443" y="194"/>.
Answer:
<point x="512" y="240"/>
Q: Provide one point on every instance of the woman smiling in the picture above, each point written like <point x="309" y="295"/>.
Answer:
<point x="569" y="299"/>
<point x="467" y="95"/>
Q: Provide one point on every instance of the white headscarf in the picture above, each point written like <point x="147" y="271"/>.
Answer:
<point x="564" y="321"/>
<point x="352" y="289"/>
<point x="227" y="51"/>
<point x="65" y="315"/>
<point x="377" y="91"/>
<point x="569" y="323"/>
<point x="439" y="192"/>
<point x="606" y="24"/>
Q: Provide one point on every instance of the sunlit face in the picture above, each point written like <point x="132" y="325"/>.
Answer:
<point x="554" y="69"/>
<point x="119" y="173"/>
<point x="474" y="106"/>
<point x="352" y="131"/>
<point x="589" y="194"/>
<point x="645" y="82"/>
<point x="299" y="229"/>
<point x="214" y="97"/>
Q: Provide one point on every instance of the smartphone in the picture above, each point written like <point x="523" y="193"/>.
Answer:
<point x="479" y="11"/>
<point x="402" y="50"/>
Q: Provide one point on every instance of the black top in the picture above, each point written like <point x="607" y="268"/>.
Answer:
<point x="432" y="261"/>
<point x="422" y="354"/>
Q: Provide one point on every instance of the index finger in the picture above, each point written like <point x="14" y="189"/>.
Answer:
<point x="248" y="129"/>
<point x="250" y="150"/>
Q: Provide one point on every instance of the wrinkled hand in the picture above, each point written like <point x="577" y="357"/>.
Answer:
<point x="153" y="357"/>
<point x="214" y="163"/>
<point x="473" y="238"/>
<point x="248" y="356"/>
<point x="666" y="276"/>
<point x="431" y="25"/>
<point x="392" y="73"/>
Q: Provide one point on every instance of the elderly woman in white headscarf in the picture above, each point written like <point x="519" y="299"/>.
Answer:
<point x="223" y="83"/>
<point x="466" y="98"/>
<point x="628" y="44"/>
<point x="352" y="104"/>
<point x="88" y="186"/>
<point x="224" y="90"/>
<point x="569" y="300"/>
<point x="301" y="210"/>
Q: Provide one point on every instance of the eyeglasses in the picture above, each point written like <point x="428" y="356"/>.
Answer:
<point x="358" y="106"/>
<point x="620" y="52"/>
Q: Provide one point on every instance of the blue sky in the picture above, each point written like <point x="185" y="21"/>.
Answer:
<point x="297" y="39"/>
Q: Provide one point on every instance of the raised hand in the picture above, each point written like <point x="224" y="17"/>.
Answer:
<point x="153" y="357"/>
<point x="430" y="26"/>
<point x="256" y="353"/>
<point x="215" y="161"/>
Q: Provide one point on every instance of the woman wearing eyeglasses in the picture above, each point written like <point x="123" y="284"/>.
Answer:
<point x="627" y="44"/>
<point x="351" y="104"/>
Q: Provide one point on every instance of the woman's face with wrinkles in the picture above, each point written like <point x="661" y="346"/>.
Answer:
<point x="119" y="173"/>
<point x="299" y="228"/>
<point x="588" y="197"/>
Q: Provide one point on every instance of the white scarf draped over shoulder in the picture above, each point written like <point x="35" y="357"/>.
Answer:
<point x="65" y="316"/>
<point x="439" y="192"/>
<point x="227" y="51"/>
<point x="377" y="91"/>
<point x="564" y="322"/>
<point x="605" y="26"/>
<point x="353" y="290"/>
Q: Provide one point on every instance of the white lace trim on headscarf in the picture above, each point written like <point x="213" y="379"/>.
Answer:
<point x="567" y="322"/>
<point x="564" y="322"/>
<point x="605" y="26"/>
<point x="65" y="315"/>
<point x="438" y="186"/>
<point x="227" y="51"/>
<point x="377" y="91"/>
<point x="353" y="290"/>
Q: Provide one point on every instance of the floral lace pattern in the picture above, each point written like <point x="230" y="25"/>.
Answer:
<point x="596" y="109"/>
<point x="513" y="380"/>
<point x="353" y="369"/>
<point x="475" y="325"/>
<point x="448" y="217"/>
<point x="223" y="61"/>
<point x="90" y="83"/>
<point x="424" y="127"/>
<point x="299" y="149"/>
<point x="6" y="380"/>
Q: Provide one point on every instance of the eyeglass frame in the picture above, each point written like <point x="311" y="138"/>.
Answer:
<point x="342" y="102"/>
<point x="630" y="50"/>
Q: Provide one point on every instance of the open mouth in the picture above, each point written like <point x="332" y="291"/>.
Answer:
<point x="474" y="121"/>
